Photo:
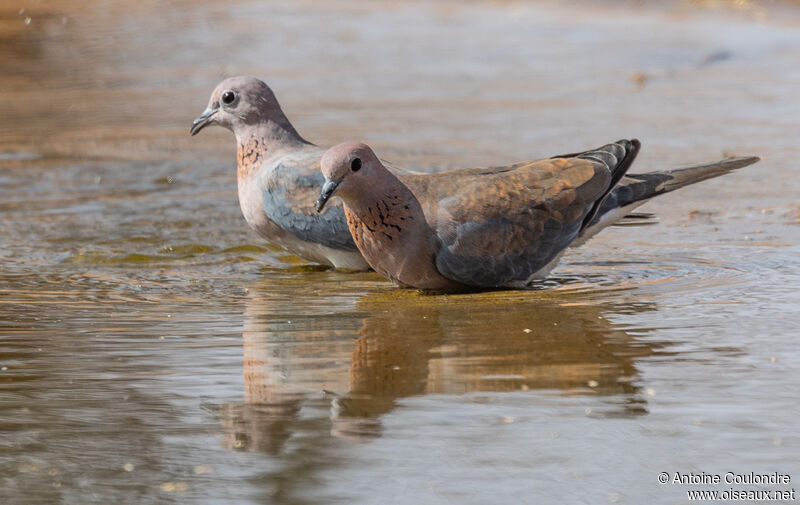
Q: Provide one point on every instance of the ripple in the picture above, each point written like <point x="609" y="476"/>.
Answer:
<point x="662" y="273"/>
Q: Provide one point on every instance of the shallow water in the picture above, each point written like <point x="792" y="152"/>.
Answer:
<point x="154" y="350"/>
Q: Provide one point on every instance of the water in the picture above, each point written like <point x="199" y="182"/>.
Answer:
<point x="154" y="350"/>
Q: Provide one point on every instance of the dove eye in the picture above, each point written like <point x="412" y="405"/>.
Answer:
<point x="355" y="165"/>
<point x="228" y="97"/>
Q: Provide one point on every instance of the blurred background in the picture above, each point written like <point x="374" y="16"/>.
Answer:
<point x="153" y="349"/>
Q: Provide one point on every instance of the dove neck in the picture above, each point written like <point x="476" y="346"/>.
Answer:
<point x="258" y="142"/>
<point x="386" y="200"/>
<point x="388" y="225"/>
<point x="271" y="134"/>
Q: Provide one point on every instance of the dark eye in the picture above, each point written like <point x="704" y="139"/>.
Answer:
<point x="355" y="165"/>
<point x="228" y="97"/>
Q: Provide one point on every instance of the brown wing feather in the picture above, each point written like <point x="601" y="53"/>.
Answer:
<point x="504" y="226"/>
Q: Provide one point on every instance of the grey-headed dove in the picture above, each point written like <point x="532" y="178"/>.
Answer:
<point x="278" y="175"/>
<point x="494" y="227"/>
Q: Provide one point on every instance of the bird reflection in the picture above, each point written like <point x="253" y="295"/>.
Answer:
<point x="355" y="361"/>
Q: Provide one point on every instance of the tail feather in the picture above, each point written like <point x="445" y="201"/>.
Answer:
<point x="635" y="189"/>
<point x="669" y="180"/>
<point x="638" y="187"/>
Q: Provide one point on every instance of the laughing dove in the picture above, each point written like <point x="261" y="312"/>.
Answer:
<point x="494" y="227"/>
<point x="278" y="175"/>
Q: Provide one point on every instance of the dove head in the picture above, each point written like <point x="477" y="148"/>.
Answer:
<point x="241" y="104"/>
<point x="347" y="168"/>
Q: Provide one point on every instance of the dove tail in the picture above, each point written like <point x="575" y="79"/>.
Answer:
<point x="638" y="187"/>
<point x="635" y="189"/>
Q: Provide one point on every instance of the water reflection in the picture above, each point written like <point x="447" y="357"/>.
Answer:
<point x="404" y="344"/>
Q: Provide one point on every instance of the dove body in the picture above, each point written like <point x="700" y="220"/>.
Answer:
<point x="495" y="227"/>
<point x="278" y="175"/>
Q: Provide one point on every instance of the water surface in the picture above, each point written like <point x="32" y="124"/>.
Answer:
<point x="154" y="350"/>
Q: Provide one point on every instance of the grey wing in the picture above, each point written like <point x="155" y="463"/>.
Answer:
<point x="289" y="202"/>
<point x="507" y="229"/>
<point x="618" y="157"/>
<point x="549" y="235"/>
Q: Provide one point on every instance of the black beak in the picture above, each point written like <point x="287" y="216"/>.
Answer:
<point x="327" y="191"/>
<point x="202" y="121"/>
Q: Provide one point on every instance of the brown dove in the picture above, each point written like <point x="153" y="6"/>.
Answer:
<point x="495" y="227"/>
<point x="278" y="175"/>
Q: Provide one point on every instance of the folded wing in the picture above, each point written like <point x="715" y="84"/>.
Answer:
<point x="289" y="197"/>
<point x="503" y="226"/>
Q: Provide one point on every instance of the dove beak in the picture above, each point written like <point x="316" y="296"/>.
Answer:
<point x="205" y="119"/>
<point x="327" y="191"/>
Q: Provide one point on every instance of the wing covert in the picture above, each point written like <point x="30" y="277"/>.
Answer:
<point x="504" y="227"/>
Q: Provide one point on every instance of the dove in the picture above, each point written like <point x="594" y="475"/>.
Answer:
<point x="498" y="227"/>
<point x="278" y="175"/>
